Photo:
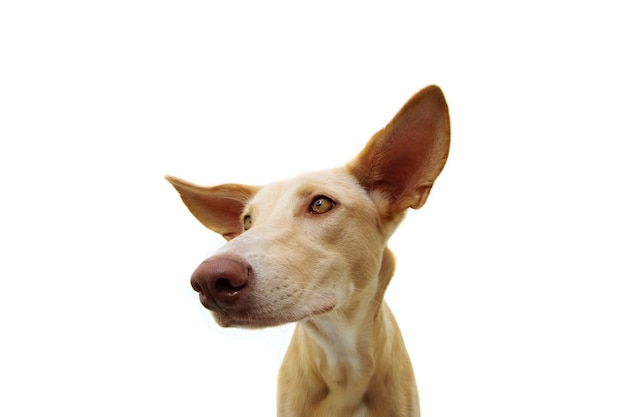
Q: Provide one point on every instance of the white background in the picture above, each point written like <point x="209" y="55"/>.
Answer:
<point x="510" y="281"/>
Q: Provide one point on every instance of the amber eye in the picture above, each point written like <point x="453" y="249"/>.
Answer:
<point x="247" y="222"/>
<point x="321" y="205"/>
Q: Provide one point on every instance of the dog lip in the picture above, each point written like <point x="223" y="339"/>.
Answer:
<point x="323" y="310"/>
<point x="248" y="318"/>
<point x="210" y="303"/>
<point x="228" y="319"/>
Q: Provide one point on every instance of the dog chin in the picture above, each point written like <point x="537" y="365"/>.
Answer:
<point x="256" y="321"/>
<point x="247" y="321"/>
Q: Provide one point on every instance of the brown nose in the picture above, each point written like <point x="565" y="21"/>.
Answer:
<point x="221" y="282"/>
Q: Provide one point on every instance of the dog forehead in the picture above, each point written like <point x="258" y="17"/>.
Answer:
<point x="336" y="184"/>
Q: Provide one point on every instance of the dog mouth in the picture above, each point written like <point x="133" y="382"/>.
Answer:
<point x="259" y="318"/>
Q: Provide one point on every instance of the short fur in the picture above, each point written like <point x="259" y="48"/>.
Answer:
<point x="313" y="250"/>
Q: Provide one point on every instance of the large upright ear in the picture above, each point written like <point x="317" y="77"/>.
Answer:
<point x="399" y="165"/>
<point x="219" y="208"/>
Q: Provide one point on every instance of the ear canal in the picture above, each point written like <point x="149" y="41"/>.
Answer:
<point x="219" y="208"/>
<point x="400" y="163"/>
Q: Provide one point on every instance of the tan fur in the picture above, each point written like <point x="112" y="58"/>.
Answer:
<point x="327" y="271"/>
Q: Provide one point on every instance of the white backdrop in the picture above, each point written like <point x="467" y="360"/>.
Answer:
<point x="510" y="281"/>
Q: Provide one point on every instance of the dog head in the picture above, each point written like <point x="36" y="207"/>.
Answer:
<point x="301" y="247"/>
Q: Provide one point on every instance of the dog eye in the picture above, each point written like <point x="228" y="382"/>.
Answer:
<point x="247" y="222"/>
<point x="321" y="205"/>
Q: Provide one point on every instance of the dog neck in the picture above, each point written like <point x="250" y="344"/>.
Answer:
<point x="342" y="356"/>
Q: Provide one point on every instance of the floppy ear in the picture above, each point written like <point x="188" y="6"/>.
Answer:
<point x="219" y="208"/>
<point x="399" y="165"/>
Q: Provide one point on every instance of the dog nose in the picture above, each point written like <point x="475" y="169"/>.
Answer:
<point x="221" y="282"/>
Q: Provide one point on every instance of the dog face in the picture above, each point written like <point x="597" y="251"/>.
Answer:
<point x="310" y="241"/>
<point x="304" y="245"/>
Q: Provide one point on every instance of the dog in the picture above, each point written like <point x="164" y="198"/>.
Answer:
<point x="313" y="250"/>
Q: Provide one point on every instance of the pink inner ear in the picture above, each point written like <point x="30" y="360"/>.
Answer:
<point x="222" y="215"/>
<point x="402" y="161"/>
<point x="219" y="208"/>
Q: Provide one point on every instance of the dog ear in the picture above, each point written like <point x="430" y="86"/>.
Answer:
<point x="399" y="165"/>
<point x="219" y="208"/>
